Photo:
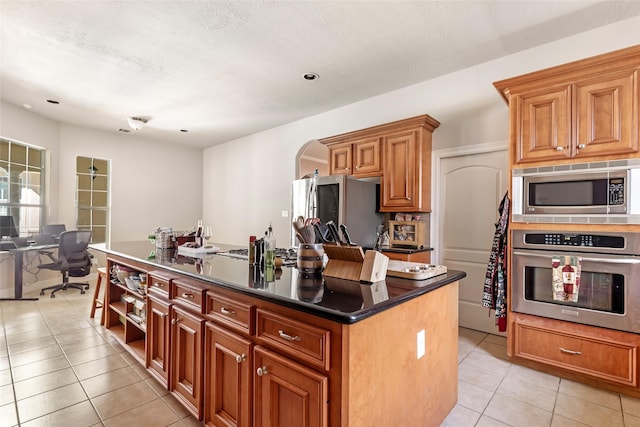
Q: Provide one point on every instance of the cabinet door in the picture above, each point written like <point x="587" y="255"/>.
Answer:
<point x="340" y="159"/>
<point x="158" y="343"/>
<point x="366" y="155"/>
<point x="187" y="333"/>
<point x="542" y="122"/>
<point x="227" y="379"/>
<point x="287" y="393"/>
<point x="607" y="115"/>
<point x="402" y="173"/>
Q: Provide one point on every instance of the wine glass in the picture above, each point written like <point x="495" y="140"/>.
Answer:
<point x="206" y="235"/>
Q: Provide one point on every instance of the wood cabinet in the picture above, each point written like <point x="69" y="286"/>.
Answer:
<point x="399" y="152"/>
<point x="187" y="337"/>
<point x="288" y="393"/>
<point x="419" y="256"/>
<point x="158" y="339"/>
<point x="360" y="158"/>
<point x="584" y="111"/>
<point x="603" y="354"/>
<point x="228" y="378"/>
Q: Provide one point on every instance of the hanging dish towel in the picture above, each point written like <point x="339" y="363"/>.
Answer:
<point x="494" y="295"/>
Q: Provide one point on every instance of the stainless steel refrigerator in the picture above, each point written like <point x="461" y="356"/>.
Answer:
<point x="341" y="199"/>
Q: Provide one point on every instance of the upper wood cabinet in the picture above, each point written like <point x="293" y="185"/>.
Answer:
<point x="583" y="111"/>
<point x="360" y="158"/>
<point x="398" y="152"/>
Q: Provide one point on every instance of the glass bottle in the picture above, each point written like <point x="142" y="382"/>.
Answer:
<point x="252" y="250"/>
<point x="568" y="276"/>
<point x="269" y="249"/>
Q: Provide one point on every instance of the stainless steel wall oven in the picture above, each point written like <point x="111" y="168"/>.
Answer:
<point x="609" y="284"/>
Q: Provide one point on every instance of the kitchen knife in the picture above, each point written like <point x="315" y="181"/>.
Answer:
<point x="334" y="232"/>
<point x="320" y="234"/>
<point x="345" y="234"/>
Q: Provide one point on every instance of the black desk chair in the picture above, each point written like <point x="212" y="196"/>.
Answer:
<point x="73" y="260"/>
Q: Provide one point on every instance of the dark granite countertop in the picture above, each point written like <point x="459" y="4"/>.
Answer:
<point x="339" y="300"/>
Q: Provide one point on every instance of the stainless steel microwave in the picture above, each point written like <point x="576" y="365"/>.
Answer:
<point x="579" y="193"/>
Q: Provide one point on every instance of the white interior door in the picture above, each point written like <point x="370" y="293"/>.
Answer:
<point x="470" y="187"/>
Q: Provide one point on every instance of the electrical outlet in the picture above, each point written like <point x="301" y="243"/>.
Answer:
<point x="421" y="344"/>
<point x="285" y="214"/>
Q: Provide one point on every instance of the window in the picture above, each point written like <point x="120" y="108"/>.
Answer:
<point x="21" y="187"/>
<point x="92" y="197"/>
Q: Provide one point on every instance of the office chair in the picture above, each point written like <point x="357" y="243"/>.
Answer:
<point x="73" y="260"/>
<point x="54" y="230"/>
<point x="44" y="239"/>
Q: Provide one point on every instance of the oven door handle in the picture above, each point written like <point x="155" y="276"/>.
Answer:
<point x="616" y="260"/>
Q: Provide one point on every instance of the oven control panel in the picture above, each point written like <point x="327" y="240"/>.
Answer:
<point x="582" y="240"/>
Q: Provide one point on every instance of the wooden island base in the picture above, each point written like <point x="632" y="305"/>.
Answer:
<point x="387" y="384"/>
<point x="238" y="355"/>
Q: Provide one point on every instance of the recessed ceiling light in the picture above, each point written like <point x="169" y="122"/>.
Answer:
<point x="310" y="76"/>
<point x="53" y="101"/>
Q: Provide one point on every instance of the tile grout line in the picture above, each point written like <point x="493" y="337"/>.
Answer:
<point x="13" y="383"/>
<point x="71" y="366"/>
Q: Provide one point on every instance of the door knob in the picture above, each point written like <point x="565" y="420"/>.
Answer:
<point x="262" y="371"/>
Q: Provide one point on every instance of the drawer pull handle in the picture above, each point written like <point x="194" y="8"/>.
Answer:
<point x="288" y="337"/>
<point x="564" y="350"/>
<point x="559" y="148"/>
<point x="175" y="321"/>
<point x="186" y="295"/>
<point x="158" y="285"/>
<point x="241" y="357"/>
<point x="262" y="371"/>
<point x="227" y="311"/>
<point x="582" y="146"/>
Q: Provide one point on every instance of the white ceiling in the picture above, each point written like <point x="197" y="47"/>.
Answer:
<point x="226" y="69"/>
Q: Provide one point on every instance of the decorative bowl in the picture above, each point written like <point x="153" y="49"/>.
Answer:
<point x="132" y="284"/>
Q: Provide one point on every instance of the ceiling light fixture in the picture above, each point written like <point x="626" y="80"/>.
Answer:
<point x="137" y="123"/>
<point x="310" y="76"/>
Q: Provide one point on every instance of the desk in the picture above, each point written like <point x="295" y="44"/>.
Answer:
<point x="18" y="259"/>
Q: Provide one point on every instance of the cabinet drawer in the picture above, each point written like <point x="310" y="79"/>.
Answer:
<point x="608" y="360"/>
<point x="232" y="313"/>
<point x="307" y="343"/>
<point x="158" y="286"/>
<point x="189" y="293"/>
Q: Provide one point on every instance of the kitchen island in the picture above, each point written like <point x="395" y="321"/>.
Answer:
<point x="238" y="345"/>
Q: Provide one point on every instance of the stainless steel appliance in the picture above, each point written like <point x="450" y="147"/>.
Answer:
<point x="580" y="193"/>
<point x="609" y="281"/>
<point x="341" y="199"/>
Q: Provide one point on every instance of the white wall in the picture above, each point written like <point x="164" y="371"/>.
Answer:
<point x="247" y="181"/>
<point x="152" y="184"/>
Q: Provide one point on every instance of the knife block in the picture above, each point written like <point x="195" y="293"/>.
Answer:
<point x="351" y="263"/>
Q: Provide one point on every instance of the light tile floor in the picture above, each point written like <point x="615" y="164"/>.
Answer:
<point x="60" y="368"/>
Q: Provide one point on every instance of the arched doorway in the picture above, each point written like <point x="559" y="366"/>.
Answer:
<point x="313" y="155"/>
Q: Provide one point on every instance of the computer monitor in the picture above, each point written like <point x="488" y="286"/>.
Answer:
<point x="7" y="226"/>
